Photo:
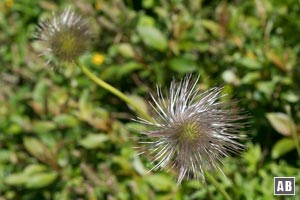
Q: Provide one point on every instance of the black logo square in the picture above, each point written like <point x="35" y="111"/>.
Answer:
<point x="284" y="185"/>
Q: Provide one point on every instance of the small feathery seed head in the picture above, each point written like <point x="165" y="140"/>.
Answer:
<point x="66" y="36"/>
<point x="192" y="131"/>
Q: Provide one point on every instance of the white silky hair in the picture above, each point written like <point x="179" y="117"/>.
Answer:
<point x="213" y="129"/>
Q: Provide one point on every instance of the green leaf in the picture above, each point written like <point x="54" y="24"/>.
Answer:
<point x="127" y="69"/>
<point x="4" y="156"/>
<point x="212" y="26"/>
<point x="187" y="45"/>
<point x="266" y="87"/>
<point x="65" y="120"/>
<point x="160" y="182"/>
<point x="85" y="108"/>
<point x="148" y="3"/>
<point x="281" y="122"/>
<point x="138" y="101"/>
<point x="40" y="180"/>
<point x="291" y="96"/>
<point x="138" y="165"/>
<point x="34" y="146"/>
<point x="93" y="141"/>
<point x="40" y="92"/>
<point x="250" y="63"/>
<point x="182" y="65"/>
<point x="40" y="127"/>
<point x="14" y="129"/>
<point x="34" y="168"/>
<point x="152" y="37"/>
<point x="16" y="179"/>
<point x="123" y="163"/>
<point x="33" y="176"/>
<point x="230" y="76"/>
<point x="146" y="20"/>
<point x="126" y="50"/>
<point x="282" y="147"/>
<point x="251" y="77"/>
<point x="252" y="156"/>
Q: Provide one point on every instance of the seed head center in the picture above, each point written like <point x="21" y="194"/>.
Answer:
<point x="190" y="131"/>
<point x="68" y="42"/>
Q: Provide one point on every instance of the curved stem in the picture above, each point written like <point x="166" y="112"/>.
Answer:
<point x="293" y="131"/>
<point x="217" y="185"/>
<point x="114" y="91"/>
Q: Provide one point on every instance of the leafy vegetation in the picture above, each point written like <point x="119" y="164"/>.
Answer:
<point x="62" y="137"/>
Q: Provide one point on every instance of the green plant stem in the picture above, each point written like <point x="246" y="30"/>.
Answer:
<point x="217" y="185"/>
<point x="114" y="91"/>
<point x="294" y="132"/>
<point x="296" y="139"/>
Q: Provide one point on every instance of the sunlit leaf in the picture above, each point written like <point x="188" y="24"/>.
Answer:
<point x="160" y="182"/>
<point x="126" y="50"/>
<point x="65" y="120"/>
<point x="35" y="147"/>
<point x="281" y="122"/>
<point x="212" y="26"/>
<point x="182" y="65"/>
<point x="93" y="141"/>
<point x="138" y="101"/>
<point x="16" y="179"/>
<point x="43" y="127"/>
<point x="252" y="156"/>
<point x="40" y="180"/>
<point x="282" y="147"/>
<point x="127" y="68"/>
<point x="152" y="37"/>
<point x="39" y="92"/>
<point x="34" y="168"/>
<point x="138" y="165"/>
<point x="250" y="63"/>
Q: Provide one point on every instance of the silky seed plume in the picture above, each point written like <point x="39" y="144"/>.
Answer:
<point x="65" y="36"/>
<point x="192" y="131"/>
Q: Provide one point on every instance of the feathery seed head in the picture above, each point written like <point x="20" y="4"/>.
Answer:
<point x="66" y="36"/>
<point x="191" y="131"/>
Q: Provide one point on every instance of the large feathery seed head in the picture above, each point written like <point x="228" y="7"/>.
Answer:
<point x="192" y="131"/>
<point x="66" y="36"/>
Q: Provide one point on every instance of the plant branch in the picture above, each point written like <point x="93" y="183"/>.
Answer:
<point x="217" y="185"/>
<point x="114" y="91"/>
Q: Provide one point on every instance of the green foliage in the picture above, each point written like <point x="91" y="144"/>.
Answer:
<point x="62" y="137"/>
<point x="152" y="37"/>
<point x="33" y="177"/>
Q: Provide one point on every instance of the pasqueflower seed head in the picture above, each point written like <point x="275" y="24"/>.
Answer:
<point x="192" y="131"/>
<point x="66" y="36"/>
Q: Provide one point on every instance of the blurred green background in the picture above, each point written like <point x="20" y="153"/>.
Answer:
<point x="62" y="137"/>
